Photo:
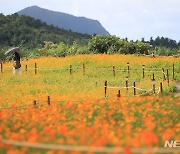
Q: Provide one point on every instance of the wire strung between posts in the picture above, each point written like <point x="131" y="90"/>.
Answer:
<point x="53" y="68"/>
<point x="106" y="68"/>
<point x="126" y="88"/>
<point x="146" y="91"/>
<point x="87" y="148"/>
<point x="118" y="87"/>
<point x="22" y="107"/>
<point x="43" y="104"/>
<point x="137" y="71"/>
<point x="140" y="89"/>
<point x="16" y="107"/>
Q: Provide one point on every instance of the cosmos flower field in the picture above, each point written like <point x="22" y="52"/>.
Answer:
<point x="63" y="106"/>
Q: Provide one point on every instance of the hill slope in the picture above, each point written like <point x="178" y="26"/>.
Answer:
<point x="65" y="21"/>
<point x="15" y="29"/>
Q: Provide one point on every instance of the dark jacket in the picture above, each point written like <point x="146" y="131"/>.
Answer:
<point x="16" y="60"/>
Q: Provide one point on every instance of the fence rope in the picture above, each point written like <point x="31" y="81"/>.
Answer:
<point x="16" y="107"/>
<point x="125" y="88"/>
<point x="103" y="68"/>
<point x="136" y="71"/>
<point x="45" y="104"/>
<point x="53" y="68"/>
<point x="40" y="104"/>
<point x="118" y="87"/>
<point x="146" y="91"/>
<point x="88" y="148"/>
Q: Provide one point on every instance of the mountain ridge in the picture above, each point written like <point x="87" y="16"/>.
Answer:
<point x="66" y="21"/>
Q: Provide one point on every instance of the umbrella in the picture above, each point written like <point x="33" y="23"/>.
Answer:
<point x="11" y="51"/>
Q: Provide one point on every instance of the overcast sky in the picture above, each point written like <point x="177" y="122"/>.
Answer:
<point x="134" y="19"/>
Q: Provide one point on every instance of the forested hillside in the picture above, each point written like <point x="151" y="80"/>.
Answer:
<point x="163" y="42"/>
<point x="66" y="21"/>
<point x="39" y="39"/>
<point x="18" y="30"/>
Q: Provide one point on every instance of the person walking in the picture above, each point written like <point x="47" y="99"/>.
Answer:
<point x="16" y="64"/>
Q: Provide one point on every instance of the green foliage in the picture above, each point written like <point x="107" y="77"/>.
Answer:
<point x="18" y="30"/>
<point x="62" y="50"/>
<point x="73" y="49"/>
<point x="101" y="44"/>
<point x="142" y="47"/>
<point x="36" y="38"/>
<point x="112" y="44"/>
<point x="172" y="88"/>
<point x="162" y="51"/>
<point x="164" y="42"/>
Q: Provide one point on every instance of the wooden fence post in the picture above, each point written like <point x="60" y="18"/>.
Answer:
<point x="83" y="69"/>
<point x="105" y="88"/>
<point x="161" y="88"/>
<point x="70" y="69"/>
<point x="34" y="103"/>
<point x="114" y="73"/>
<point x="1" y="67"/>
<point x="49" y="101"/>
<point x="153" y="84"/>
<point x="26" y="68"/>
<point x="126" y="83"/>
<point x="35" y="68"/>
<point x="119" y="93"/>
<point x="163" y="74"/>
<point x="168" y="77"/>
<point x="143" y="70"/>
<point x="173" y="72"/>
<point x="134" y="88"/>
<point x="128" y="68"/>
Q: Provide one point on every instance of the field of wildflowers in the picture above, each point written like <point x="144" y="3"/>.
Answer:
<point x="79" y="114"/>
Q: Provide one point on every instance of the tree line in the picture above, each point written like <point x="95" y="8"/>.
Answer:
<point x="18" y="30"/>
<point x="102" y="45"/>
<point x="37" y="38"/>
<point x="163" y="42"/>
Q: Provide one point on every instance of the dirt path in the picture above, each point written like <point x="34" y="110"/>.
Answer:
<point x="177" y="93"/>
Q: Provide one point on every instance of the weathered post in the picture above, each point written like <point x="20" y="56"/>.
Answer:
<point x="83" y="69"/>
<point x="105" y="88"/>
<point x="168" y="77"/>
<point x="35" y="68"/>
<point x="153" y="84"/>
<point x="173" y="72"/>
<point x="114" y="73"/>
<point x="143" y="70"/>
<point x="128" y="68"/>
<point x="70" y="69"/>
<point x="134" y="88"/>
<point x="26" y="68"/>
<point x="126" y="83"/>
<point x="161" y="88"/>
<point x="48" y="100"/>
<point x="119" y="93"/>
<point x="34" y="103"/>
<point x="1" y="67"/>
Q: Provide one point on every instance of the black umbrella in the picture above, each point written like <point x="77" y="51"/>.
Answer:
<point x="11" y="51"/>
